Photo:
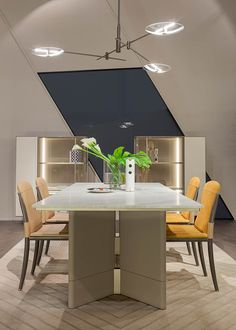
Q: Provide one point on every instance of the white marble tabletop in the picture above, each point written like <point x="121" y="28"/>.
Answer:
<point x="146" y="197"/>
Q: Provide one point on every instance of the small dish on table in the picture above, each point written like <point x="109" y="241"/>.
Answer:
<point x="99" y="190"/>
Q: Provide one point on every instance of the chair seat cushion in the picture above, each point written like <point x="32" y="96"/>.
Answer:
<point x="176" y="218"/>
<point x="183" y="231"/>
<point x="59" y="217"/>
<point x="59" y="230"/>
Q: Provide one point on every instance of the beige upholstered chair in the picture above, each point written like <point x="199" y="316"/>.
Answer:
<point x="48" y="216"/>
<point x="34" y="229"/>
<point x="202" y="229"/>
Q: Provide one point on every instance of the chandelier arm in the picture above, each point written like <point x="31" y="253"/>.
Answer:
<point x="83" y="54"/>
<point x="116" y="58"/>
<point x="141" y="37"/>
<point x="94" y="55"/>
<point x="135" y="51"/>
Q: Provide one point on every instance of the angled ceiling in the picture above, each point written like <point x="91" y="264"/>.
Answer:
<point x="200" y="88"/>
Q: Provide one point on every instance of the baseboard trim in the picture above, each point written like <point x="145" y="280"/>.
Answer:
<point x="15" y="219"/>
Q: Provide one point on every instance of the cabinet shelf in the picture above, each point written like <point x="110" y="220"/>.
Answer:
<point x="61" y="163"/>
<point x="167" y="163"/>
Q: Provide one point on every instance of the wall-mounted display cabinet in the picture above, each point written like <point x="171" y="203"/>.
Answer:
<point x="174" y="160"/>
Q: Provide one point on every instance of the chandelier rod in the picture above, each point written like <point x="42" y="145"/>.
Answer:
<point x="119" y="43"/>
<point x="118" y="37"/>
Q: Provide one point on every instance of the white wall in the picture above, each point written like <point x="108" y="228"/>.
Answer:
<point x="199" y="90"/>
<point x="25" y="110"/>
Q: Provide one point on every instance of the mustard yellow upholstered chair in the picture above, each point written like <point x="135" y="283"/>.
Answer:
<point x="202" y="229"/>
<point x="184" y="217"/>
<point x="34" y="229"/>
<point x="48" y="216"/>
<point x="192" y="192"/>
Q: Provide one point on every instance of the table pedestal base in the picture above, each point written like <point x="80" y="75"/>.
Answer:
<point x="91" y="256"/>
<point x="142" y="256"/>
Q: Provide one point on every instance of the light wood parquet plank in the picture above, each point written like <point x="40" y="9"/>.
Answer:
<point x="191" y="301"/>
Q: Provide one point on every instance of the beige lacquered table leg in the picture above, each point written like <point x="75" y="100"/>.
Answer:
<point x="91" y="256"/>
<point x="143" y="256"/>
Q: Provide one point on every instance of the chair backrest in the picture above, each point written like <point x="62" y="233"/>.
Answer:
<point x="209" y="199"/>
<point x="192" y="192"/>
<point x="32" y="217"/>
<point x="42" y="192"/>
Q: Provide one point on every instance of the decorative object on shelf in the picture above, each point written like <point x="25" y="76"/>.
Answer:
<point x="130" y="174"/>
<point x="153" y="152"/>
<point x="116" y="161"/>
<point x="157" y="29"/>
<point x="156" y="155"/>
<point x="75" y="155"/>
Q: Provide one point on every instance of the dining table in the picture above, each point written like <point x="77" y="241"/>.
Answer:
<point x="142" y="233"/>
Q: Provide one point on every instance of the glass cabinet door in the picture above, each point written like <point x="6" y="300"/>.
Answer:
<point x="57" y="174"/>
<point x="166" y="154"/>
<point x="81" y="173"/>
<point x="170" y="175"/>
<point x="166" y="150"/>
<point x="55" y="150"/>
<point x="57" y="165"/>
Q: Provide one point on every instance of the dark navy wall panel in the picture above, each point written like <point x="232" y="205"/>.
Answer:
<point x="96" y="103"/>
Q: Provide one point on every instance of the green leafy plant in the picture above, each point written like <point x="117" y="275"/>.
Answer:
<point x="116" y="160"/>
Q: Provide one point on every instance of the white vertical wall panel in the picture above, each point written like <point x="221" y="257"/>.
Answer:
<point x="194" y="159"/>
<point x="26" y="110"/>
<point x="26" y="163"/>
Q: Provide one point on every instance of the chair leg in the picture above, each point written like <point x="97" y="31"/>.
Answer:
<point x="40" y="252"/>
<point x="212" y="264"/>
<point x="189" y="248"/>
<point x="47" y="247"/>
<point x="195" y="253"/>
<point x="200" y="250"/>
<point x="36" y="249"/>
<point x="25" y="263"/>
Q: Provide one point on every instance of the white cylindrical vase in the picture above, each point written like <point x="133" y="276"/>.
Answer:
<point x="130" y="174"/>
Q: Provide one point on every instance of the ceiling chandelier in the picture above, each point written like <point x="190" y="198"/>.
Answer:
<point x="158" y="29"/>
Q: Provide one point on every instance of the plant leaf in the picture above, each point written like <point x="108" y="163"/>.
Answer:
<point x="118" y="152"/>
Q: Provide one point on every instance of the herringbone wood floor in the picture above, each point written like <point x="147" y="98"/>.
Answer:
<point x="191" y="301"/>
